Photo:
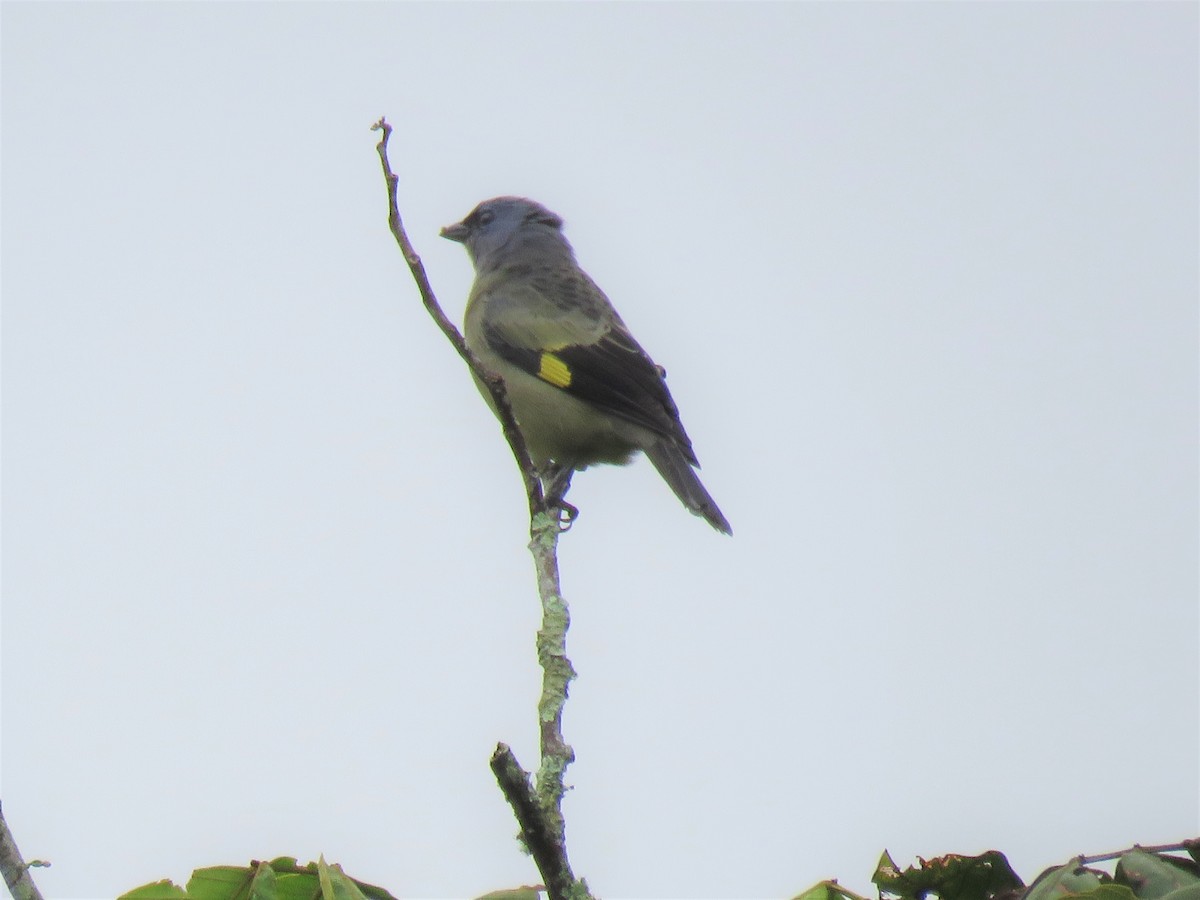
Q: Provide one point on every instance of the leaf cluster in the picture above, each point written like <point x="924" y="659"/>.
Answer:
<point x="279" y="879"/>
<point x="1141" y="874"/>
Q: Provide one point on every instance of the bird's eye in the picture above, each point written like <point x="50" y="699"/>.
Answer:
<point x="485" y="216"/>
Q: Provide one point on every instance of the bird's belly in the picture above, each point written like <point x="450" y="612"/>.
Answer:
<point x="559" y="427"/>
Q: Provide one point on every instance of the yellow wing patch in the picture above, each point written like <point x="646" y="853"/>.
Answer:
<point x="554" y="370"/>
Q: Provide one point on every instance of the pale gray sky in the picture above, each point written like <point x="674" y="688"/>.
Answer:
<point x="924" y="277"/>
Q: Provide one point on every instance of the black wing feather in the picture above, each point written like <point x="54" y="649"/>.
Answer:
<point x="615" y="375"/>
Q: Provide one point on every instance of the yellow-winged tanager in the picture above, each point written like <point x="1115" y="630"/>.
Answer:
<point x="582" y="390"/>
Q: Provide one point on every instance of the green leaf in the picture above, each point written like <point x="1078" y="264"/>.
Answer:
<point x="885" y="868"/>
<point x="219" y="883"/>
<point x="950" y="877"/>
<point x="297" y="882"/>
<point x="296" y="885"/>
<point x="158" y="890"/>
<point x="525" y="892"/>
<point x="1152" y="876"/>
<point x="326" y="881"/>
<point x="828" y="890"/>
<point x="1107" y="892"/>
<point x="335" y="885"/>
<point x="1187" y="893"/>
<point x="280" y="879"/>
<point x="1058" y="881"/>
<point x="264" y="886"/>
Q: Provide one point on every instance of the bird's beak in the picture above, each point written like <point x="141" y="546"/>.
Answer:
<point x="456" y="232"/>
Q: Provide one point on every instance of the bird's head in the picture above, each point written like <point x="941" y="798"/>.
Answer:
<point x="491" y="227"/>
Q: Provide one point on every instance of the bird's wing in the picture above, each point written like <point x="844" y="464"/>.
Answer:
<point x="559" y="327"/>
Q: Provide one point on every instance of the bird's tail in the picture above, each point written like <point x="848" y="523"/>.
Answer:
<point x="676" y="470"/>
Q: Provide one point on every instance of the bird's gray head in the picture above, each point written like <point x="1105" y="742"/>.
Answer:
<point x="500" y="226"/>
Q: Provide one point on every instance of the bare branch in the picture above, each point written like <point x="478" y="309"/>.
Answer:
<point x="495" y="385"/>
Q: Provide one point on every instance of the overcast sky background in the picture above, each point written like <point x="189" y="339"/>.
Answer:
<point x="924" y="278"/>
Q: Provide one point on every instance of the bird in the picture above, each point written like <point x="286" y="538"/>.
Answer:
<point x="582" y="389"/>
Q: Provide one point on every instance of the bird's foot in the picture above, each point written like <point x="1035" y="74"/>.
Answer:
<point x="556" y="481"/>
<point x="567" y="514"/>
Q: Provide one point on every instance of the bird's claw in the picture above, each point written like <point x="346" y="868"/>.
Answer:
<point x="567" y="514"/>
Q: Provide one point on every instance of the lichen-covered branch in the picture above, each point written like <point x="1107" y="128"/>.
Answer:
<point x="557" y="671"/>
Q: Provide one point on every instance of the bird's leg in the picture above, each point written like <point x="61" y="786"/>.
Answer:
<point x="556" y="481"/>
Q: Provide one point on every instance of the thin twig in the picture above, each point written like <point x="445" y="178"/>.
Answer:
<point x="1180" y="847"/>
<point x="495" y="385"/>
<point x="540" y="813"/>
<point x="15" y="869"/>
